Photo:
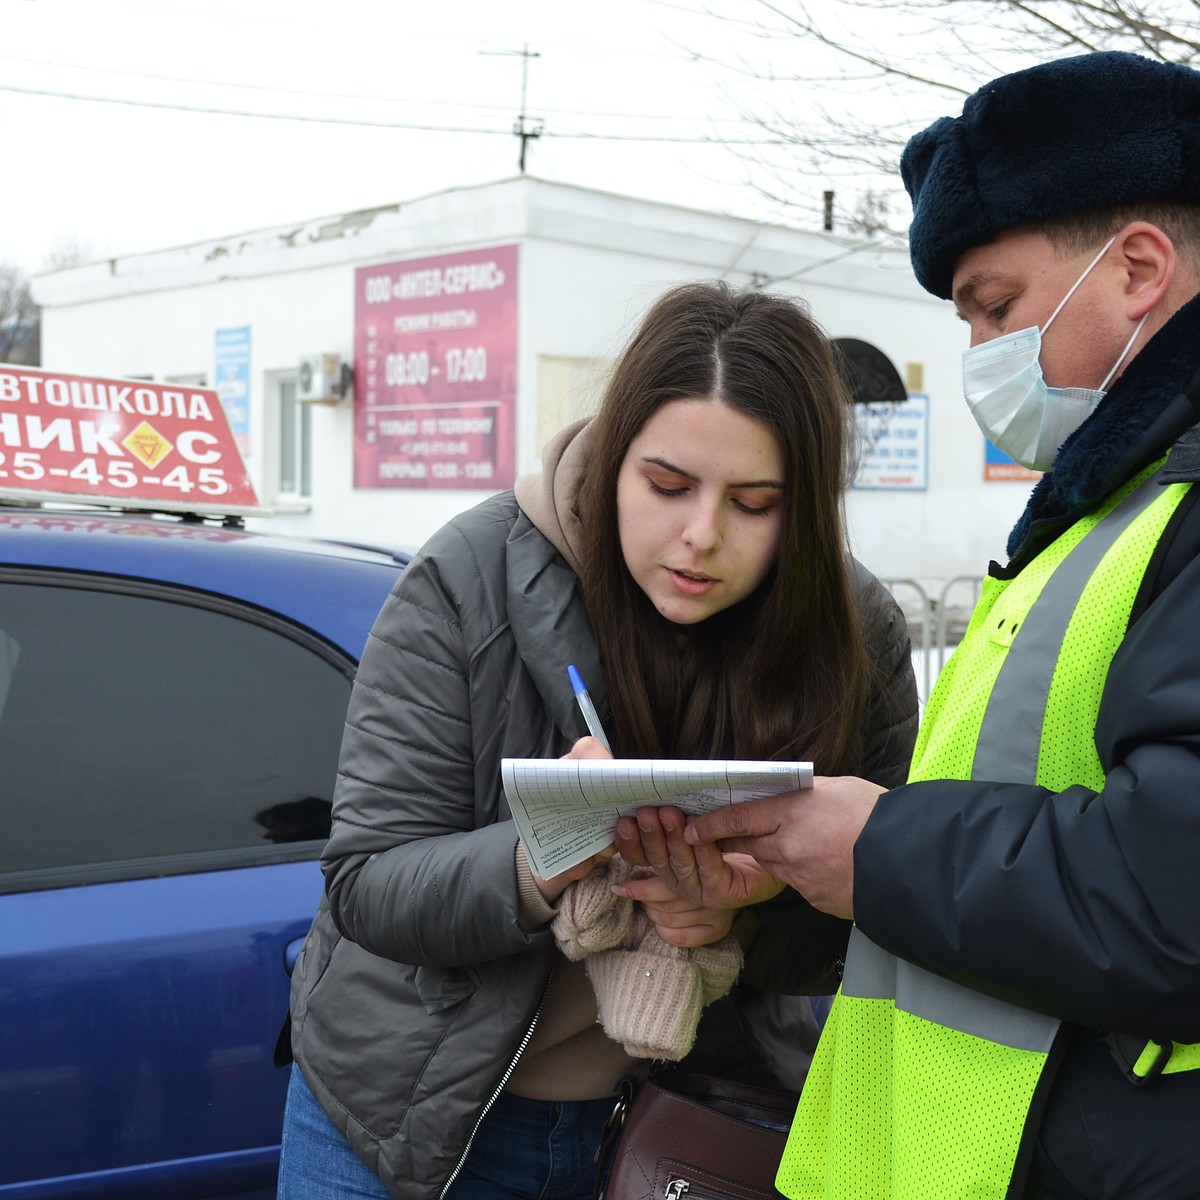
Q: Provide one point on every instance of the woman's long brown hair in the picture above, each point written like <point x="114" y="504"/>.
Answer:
<point x="784" y="673"/>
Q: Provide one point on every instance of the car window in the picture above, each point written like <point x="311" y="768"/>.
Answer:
<point x="143" y="734"/>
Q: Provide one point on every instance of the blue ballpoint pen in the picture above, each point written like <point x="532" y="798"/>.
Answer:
<point x="590" y="715"/>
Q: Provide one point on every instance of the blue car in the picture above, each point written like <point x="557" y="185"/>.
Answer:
<point x="172" y="696"/>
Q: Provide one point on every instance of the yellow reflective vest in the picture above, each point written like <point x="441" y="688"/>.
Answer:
<point x="920" y="1088"/>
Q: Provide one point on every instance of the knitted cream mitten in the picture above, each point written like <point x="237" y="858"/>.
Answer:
<point x="649" y="994"/>
<point x="649" y="998"/>
<point x="718" y="964"/>
<point x="591" y="918"/>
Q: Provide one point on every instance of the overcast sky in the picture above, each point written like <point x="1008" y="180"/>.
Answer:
<point x="404" y="79"/>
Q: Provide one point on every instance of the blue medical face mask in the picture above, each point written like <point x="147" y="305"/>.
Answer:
<point x="1009" y="399"/>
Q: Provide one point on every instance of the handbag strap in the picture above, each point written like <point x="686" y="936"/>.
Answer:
<point x="611" y="1133"/>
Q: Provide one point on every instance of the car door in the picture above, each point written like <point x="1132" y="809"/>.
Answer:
<point x="167" y="760"/>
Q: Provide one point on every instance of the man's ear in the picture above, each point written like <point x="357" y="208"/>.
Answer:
<point x="1148" y="260"/>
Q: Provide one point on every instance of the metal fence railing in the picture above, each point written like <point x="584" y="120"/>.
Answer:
<point x="935" y="624"/>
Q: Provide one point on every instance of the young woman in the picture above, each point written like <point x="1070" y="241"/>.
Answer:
<point x="686" y="550"/>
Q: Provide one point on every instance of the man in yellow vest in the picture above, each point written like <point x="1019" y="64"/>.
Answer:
<point x="1020" y="1009"/>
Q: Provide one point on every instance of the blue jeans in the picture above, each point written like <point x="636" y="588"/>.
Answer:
<point x="524" y="1150"/>
<point x="315" y="1161"/>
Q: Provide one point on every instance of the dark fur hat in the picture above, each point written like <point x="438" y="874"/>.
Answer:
<point x="1100" y="129"/>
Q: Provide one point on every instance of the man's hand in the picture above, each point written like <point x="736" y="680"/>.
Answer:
<point x="805" y="838"/>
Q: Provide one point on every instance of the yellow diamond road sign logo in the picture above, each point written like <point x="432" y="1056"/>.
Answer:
<point x="147" y="444"/>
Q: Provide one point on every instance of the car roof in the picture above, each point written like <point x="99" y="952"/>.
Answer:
<point x="334" y="589"/>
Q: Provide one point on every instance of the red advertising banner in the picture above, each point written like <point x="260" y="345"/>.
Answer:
<point x="124" y="441"/>
<point x="435" y="371"/>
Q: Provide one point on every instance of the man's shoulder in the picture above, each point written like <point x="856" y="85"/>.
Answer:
<point x="1183" y="463"/>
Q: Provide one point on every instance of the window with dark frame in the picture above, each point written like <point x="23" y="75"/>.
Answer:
<point x="136" y="730"/>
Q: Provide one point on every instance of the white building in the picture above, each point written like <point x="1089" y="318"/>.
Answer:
<point x="518" y="294"/>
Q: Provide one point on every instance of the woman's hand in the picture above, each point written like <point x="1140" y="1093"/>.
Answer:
<point x="551" y="889"/>
<point x="676" y="920"/>
<point x="702" y="875"/>
<point x="587" y="747"/>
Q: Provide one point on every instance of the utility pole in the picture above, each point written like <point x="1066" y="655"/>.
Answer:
<point x="524" y="127"/>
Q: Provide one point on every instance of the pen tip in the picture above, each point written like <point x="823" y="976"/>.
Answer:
<point x="576" y="679"/>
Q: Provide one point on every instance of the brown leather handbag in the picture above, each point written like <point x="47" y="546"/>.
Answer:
<point x="696" y="1136"/>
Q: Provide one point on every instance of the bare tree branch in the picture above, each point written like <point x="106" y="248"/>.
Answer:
<point x="19" y="318"/>
<point x="69" y="251"/>
<point x="838" y="86"/>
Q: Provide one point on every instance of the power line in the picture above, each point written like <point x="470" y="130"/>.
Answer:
<point x="213" y="110"/>
<point x="197" y="81"/>
<point x="651" y="137"/>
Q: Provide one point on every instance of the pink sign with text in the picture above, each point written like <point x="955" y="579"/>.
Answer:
<point x="435" y="371"/>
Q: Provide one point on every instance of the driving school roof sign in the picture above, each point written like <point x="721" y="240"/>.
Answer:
<point x="118" y="441"/>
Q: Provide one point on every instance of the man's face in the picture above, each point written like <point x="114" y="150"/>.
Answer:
<point x="1018" y="280"/>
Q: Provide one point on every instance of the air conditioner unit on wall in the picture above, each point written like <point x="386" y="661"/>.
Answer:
<point x="322" y="379"/>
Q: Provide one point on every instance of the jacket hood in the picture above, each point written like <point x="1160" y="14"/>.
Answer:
<point x="548" y="498"/>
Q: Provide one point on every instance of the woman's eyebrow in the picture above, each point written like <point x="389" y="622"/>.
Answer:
<point x="750" y="483"/>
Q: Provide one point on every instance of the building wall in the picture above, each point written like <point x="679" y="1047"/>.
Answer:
<point x="590" y="264"/>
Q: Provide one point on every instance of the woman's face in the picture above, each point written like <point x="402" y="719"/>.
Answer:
<point x="700" y="507"/>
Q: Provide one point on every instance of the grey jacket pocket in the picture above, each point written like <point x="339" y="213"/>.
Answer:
<point x="440" y="988"/>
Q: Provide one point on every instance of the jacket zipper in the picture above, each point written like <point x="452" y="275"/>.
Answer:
<point x="512" y="1066"/>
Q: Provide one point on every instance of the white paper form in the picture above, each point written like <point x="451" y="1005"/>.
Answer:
<point x="566" y="809"/>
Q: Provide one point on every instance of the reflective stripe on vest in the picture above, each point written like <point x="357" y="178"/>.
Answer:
<point x="1009" y="749"/>
<point x="873" y="974"/>
<point x="919" y="1088"/>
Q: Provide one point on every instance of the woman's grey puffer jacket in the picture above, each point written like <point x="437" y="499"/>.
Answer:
<point x="417" y="987"/>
